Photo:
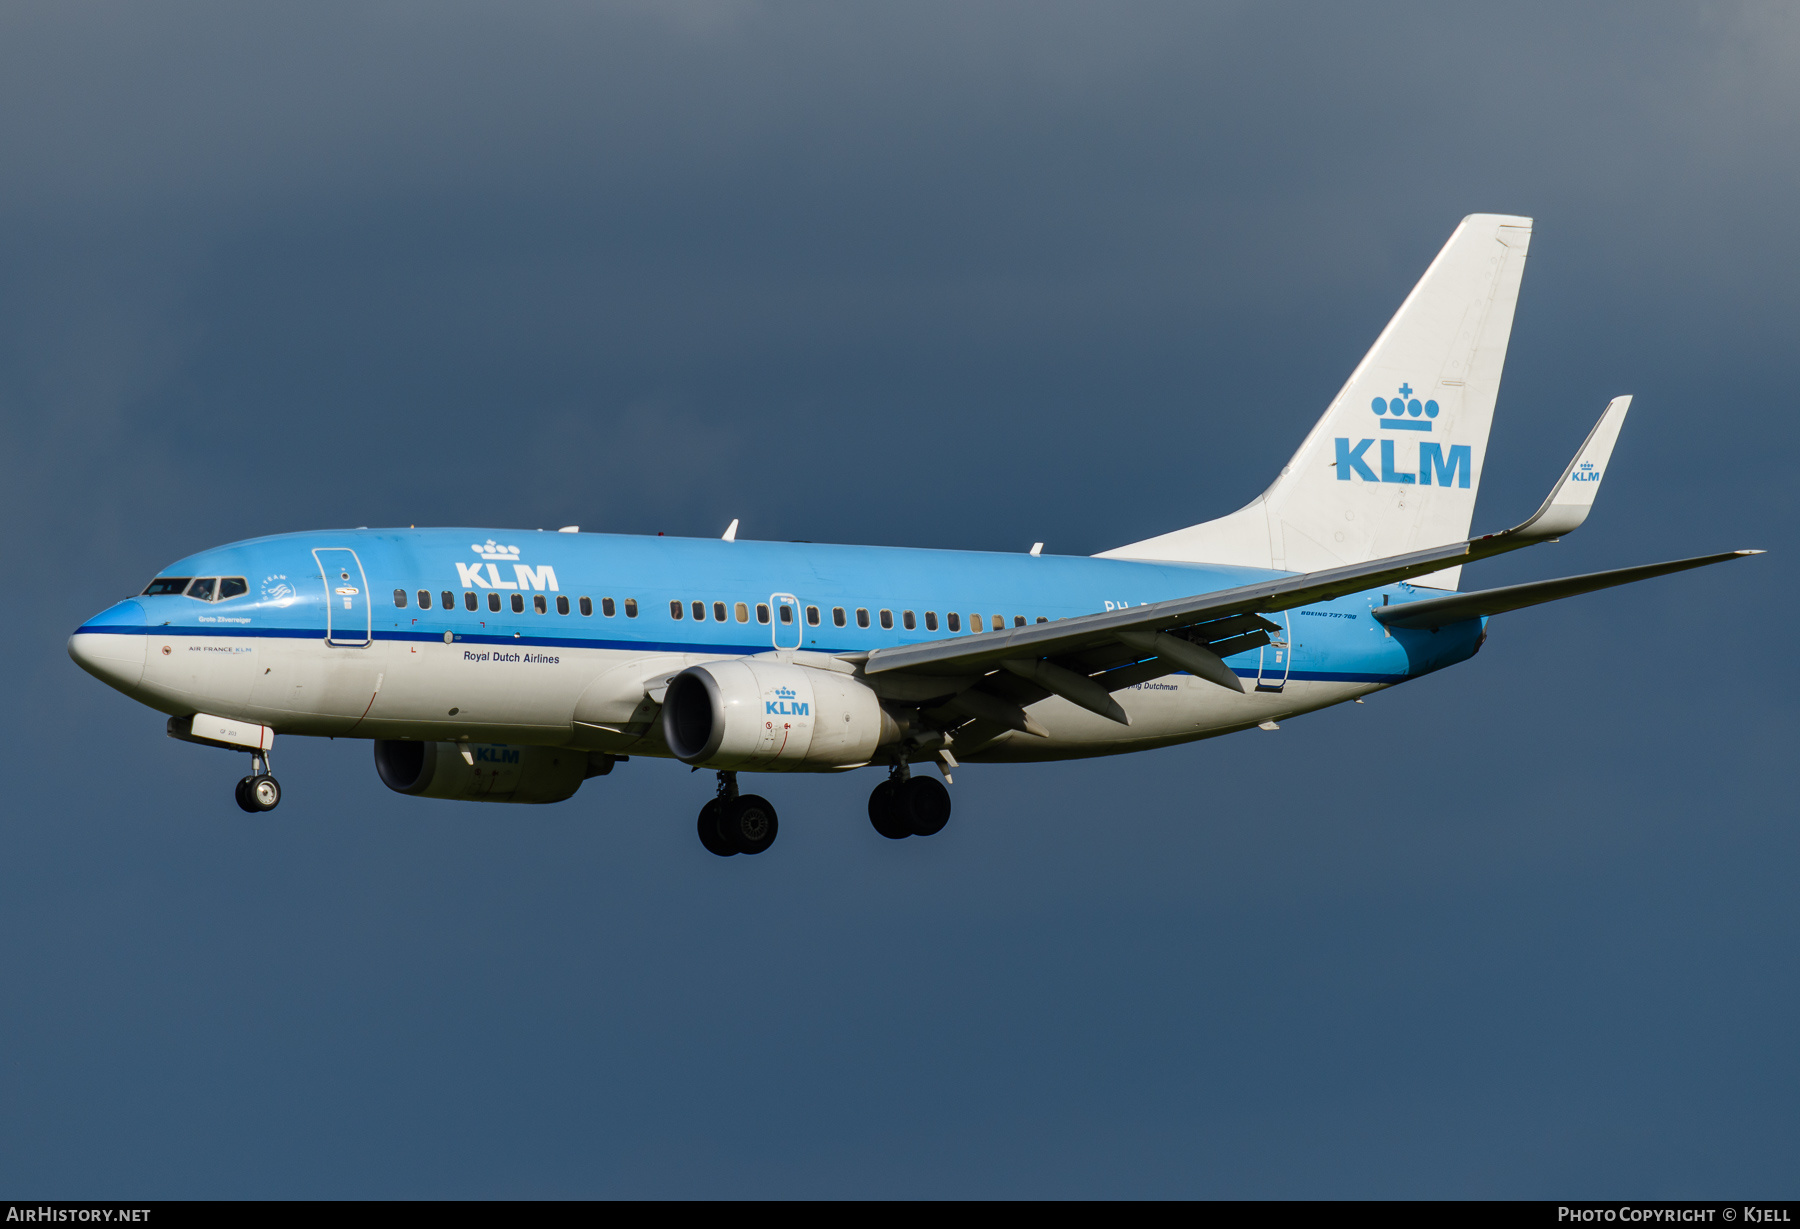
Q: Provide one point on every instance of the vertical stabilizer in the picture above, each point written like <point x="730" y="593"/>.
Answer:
<point x="1395" y="462"/>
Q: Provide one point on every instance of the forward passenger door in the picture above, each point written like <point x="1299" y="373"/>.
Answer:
<point x="347" y="609"/>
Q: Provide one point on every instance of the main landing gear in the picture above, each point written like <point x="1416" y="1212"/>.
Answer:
<point x="736" y="823"/>
<point x="905" y="805"/>
<point x="259" y="791"/>
<point x="732" y="823"/>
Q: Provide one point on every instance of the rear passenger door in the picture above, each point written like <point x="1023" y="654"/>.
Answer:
<point x="347" y="609"/>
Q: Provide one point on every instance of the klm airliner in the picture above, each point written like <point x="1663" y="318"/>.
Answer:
<point x="493" y="665"/>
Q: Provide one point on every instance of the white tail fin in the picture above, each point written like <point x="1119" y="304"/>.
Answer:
<point x="1394" y="464"/>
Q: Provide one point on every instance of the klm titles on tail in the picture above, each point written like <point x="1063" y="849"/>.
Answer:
<point x="1406" y="413"/>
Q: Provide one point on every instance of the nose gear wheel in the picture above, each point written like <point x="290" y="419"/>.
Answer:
<point x="259" y="791"/>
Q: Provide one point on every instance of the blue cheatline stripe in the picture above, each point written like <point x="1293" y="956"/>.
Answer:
<point x="487" y="638"/>
<point x="166" y="629"/>
<point x="641" y="646"/>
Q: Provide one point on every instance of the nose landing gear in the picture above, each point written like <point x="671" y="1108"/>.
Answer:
<point x="736" y="823"/>
<point x="259" y="791"/>
<point x="905" y="805"/>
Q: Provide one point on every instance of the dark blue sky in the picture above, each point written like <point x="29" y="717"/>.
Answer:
<point x="937" y="274"/>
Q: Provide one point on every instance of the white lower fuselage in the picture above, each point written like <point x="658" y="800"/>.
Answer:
<point x="592" y="699"/>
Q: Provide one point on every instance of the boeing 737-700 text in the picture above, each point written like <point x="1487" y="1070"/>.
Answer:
<point x="504" y="666"/>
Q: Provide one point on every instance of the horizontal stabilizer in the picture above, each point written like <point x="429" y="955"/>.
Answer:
<point x="1441" y="611"/>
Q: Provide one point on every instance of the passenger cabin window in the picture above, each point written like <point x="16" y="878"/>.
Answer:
<point x="718" y="612"/>
<point x="631" y="608"/>
<point x="953" y="621"/>
<point x="907" y="621"/>
<point x="699" y="612"/>
<point x="539" y="604"/>
<point x="837" y="616"/>
<point x="743" y="613"/>
<point x="1018" y="620"/>
<point x="202" y="589"/>
<point x="587" y="605"/>
<point x="447" y="600"/>
<point x="675" y="608"/>
<point x="1042" y="619"/>
<point x="469" y="600"/>
<point x="232" y="586"/>
<point x="562" y="604"/>
<point x="998" y="623"/>
<point x="424" y="599"/>
<point x="931" y="620"/>
<point x="400" y="598"/>
<point x="606" y="607"/>
<point x="975" y="624"/>
<point x="493" y="602"/>
<point x="518" y="603"/>
<point x="787" y="613"/>
<point x="164" y="586"/>
<point x="862" y="616"/>
<point x="812" y="616"/>
<point x="887" y="618"/>
<point x="762" y="613"/>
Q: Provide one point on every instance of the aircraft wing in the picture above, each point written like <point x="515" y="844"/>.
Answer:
<point x="1438" y="611"/>
<point x="1085" y="659"/>
<point x="986" y="650"/>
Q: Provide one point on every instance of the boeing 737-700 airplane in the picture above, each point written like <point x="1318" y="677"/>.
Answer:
<point x="508" y="666"/>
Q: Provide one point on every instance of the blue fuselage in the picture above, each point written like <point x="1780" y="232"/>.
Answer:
<point x="679" y="586"/>
<point x="563" y="640"/>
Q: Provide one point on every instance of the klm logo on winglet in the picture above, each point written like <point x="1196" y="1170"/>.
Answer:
<point x="785" y="705"/>
<point x="1405" y="413"/>
<point x="1585" y="472"/>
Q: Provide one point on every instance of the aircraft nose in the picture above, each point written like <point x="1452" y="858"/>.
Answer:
<point x="111" y="645"/>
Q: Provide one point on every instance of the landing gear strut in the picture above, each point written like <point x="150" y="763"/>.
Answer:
<point x="736" y="823"/>
<point x="905" y="805"/>
<point x="259" y="791"/>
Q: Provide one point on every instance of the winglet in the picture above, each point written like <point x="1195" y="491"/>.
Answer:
<point x="1573" y="497"/>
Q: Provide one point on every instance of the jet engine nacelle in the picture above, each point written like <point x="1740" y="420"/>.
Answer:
<point x="772" y="716"/>
<point x="498" y="773"/>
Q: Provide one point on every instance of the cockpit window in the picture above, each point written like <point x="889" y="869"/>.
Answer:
<point x="231" y="586"/>
<point x="167" y="584"/>
<point x="202" y="588"/>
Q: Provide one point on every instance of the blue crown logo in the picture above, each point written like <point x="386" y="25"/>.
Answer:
<point x="785" y="693"/>
<point x="1405" y="412"/>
